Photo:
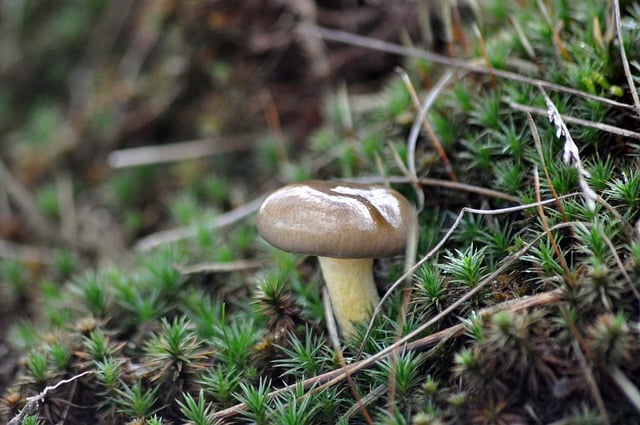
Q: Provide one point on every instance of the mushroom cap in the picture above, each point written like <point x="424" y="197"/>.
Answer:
<point x="336" y="219"/>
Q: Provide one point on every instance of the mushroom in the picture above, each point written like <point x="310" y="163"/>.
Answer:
<point x="346" y="225"/>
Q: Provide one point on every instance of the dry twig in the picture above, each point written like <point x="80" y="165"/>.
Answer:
<point x="33" y="403"/>
<point x="179" y="151"/>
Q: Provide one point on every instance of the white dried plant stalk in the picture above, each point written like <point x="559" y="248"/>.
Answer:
<point x="570" y="152"/>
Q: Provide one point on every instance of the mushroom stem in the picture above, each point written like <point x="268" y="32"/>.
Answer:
<point x="351" y="288"/>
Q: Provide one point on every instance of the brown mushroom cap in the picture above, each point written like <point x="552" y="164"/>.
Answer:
<point x="336" y="219"/>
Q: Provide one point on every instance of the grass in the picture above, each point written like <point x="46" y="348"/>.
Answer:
<point x="523" y="303"/>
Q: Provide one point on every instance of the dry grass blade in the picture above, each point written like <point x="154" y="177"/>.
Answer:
<point x="179" y="151"/>
<point x="410" y="257"/>
<point x="383" y="46"/>
<point x="66" y="205"/>
<point x="422" y="118"/>
<point x="561" y="51"/>
<point x="447" y="184"/>
<point x="466" y="187"/>
<point x="226" y="267"/>
<point x="401" y="165"/>
<point x="174" y="235"/>
<point x="543" y="218"/>
<point x="541" y="214"/>
<point x="369" y="398"/>
<point x="524" y="40"/>
<point x="572" y="120"/>
<point x="485" y="56"/>
<point x="589" y="376"/>
<point x="538" y="144"/>
<point x="570" y="151"/>
<point x="623" y="57"/>
<point x="626" y="386"/>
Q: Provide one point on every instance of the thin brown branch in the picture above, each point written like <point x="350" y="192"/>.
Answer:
<point x="538" y="144"/>
<point x="572" y="120"/>
<point x="384" y="46"/>
<point x="588" y="375"/>
<point x="485" y="56"/>
<point x="447" y="184"/>
<point x="545" y="224"/>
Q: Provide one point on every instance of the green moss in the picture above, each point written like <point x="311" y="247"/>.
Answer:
<point x="166" y="343"/>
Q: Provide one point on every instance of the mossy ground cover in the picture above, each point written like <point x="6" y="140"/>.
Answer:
<point x="142" y="293"/>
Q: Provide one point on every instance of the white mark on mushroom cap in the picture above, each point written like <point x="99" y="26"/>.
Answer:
<point x="379" y="198"/>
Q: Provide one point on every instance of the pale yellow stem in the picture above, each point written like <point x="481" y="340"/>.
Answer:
<point x="351" y="288"/>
